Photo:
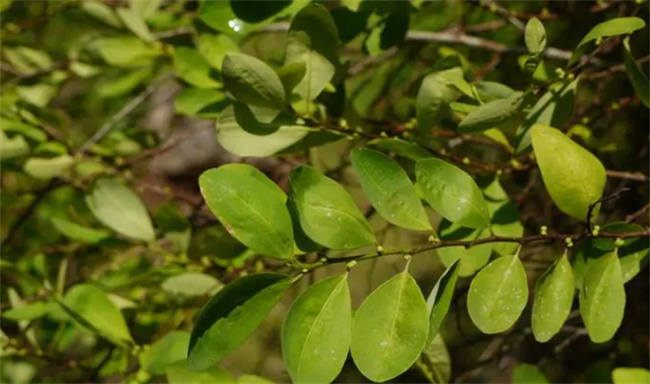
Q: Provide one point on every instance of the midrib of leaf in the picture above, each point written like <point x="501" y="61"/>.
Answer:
<point x="598" y="291"/>
<point x="471" y="203"/>
<point x="309" y="333"/>
<point x="256" y="213"/>
<point x="129" y="217"/>
<point x="502" y="283"/>
<point x="257" y="81"/>
<point x="397" y="308"/>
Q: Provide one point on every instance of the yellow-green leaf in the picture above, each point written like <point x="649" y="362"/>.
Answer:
<point x="251" y="81"/>
<point x="553" y="299"/>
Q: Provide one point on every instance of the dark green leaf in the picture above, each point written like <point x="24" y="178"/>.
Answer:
<point x="492" y="114"/>
<point x="232" y="315"/>
<point x="251" y="207"/>
<point x="638" y="79"/>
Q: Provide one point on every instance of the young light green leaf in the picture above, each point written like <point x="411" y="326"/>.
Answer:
<point x="170" y="349"/>
<point x="120" y="209"/>
<point x="389" y="330"/>
<point x="193" y="68"/>
<point x="95" y="308"/>
<point x="251" y="207"/>
<point x="232" y="315"/>
<point x="574" y="177"/>
<point x="535" y="36"/>
<point x="124" y="51"/>
<point x="190" y="284"/>
<point x="328" y="214"/>
<point x="505" y="222"/>
<point x="215" y="47"/>
<point x="613" y="27"/>
<point x="389" y="189"/>
<point x="251" y="81"/>
<point x="452" y="193"/>
<point x="178" y="373"/>
<point x="553" y="299"/>
<point x="102" y="12"/>
<point x="200" y="102"/>
<point x="15" y="146"/>
<point x="78" y="232"/>
<point x="440" y="298"/>
<point x="135" y="22"/>
<point x="26" y="312"/>
<point x="638" y="79"/>
<point x="471" y="259"/>
<point x="317" y="331"/>
<point x="47" y="168"/>
<point x="241" y="134"/>
<point x="630" y="375"/>
<point x="314" y="41"/>
<point x="493" y="113"/>
<point x="291" y="75"/>
<point x="498" y="295"/>
<point x="435" y="94"/>
<point x="602" y="297"/>
<point x="527" y="374"/>
<point x="491" y="90"/>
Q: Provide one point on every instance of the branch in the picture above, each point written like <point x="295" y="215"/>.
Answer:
<point x="470" y="243"/>
<point x="122" y="113"/>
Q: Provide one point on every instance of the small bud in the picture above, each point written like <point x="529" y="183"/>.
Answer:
<point x="598" y="41"/>
<point x="443" y="151"/>
<point x="618" y="242"/>
<point x="383" y="134"/>
<point x="571" y="76"/>
<point x="358" y="129"/>
<point x="545" y="13"/>
<point x="585" y="120"/>
<point x="206" y="261"/>
<point x="351" y="264"/>
<point x="543" y="230"/>
<point x="407" y="257"/>
<point x="406" y="134"/>
<point x="596" y="230"/>
<point x="304" y="270"/>
<point x="569" y="242"/>
<point x="433" y="239"/>
<point x="466" y="160"/>
<point x="493" y="7"/>
<point x="499" y="172"/>
<point x="323" y="260"/>
<point x="615" y="106"/>
<point x="380" y="249"/>
<point x="344" y="124"/>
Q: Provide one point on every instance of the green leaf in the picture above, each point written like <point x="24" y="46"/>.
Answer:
<point x="145" y="8"/>
<point x="574" y="177"/>
<point x="452" y="193"/>
<point x="200" y="102"/>
<point x="638" y="79"/>
<point x="492" y="114"/>
<point x="120" y="209"/>
<point x="440" y="299"/>
<point x="389" y="189"/>
<point x="505" y="222"/>
<point x="471" y="259"/>
<point x="291" y="75"/>
<point x="602" y="298"/>
<point x="26" y="312"/>
<point x="314" y="41"/>
<point x="630" y="375"/>
<point x="190" y="66"/>
<point x="95" y="308"/>
<point x="389" y="330"/>
<point x="402" y="148"/>
<point x="491" y="90"/>
<point x="101" y="11"/>
<point x="190" y="284"/>
<point x="498" y="295"/>
<point x="435" y="94"/>
<point x="527" y="374"/>
<point x="240" y="133"/>
<point x="178" y="373"/>
<point x="614" y="27"/>
<point x="251" y="207"/>
<point x="327" y="213"/>
<point x="553" y="299"/>
<point x="317" y="331"/>
<point x="633" y="254"/>
<point x="215" y="47"/>
<point x="220" y="16"/>
<point x="79" y="232"/>
<point x="135" y="22"/>
<point x="232" y="315"/>
<point x="47" y="168"/>
<point x="253" y="82"/>
<point x="535" y="36"/>
<point x="124" y="51"/>
<point x="29" y="131"/>
<point x="436" y="360"/>
<point x="170" y="349"/>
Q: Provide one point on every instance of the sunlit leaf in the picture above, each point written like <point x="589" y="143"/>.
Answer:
<point x="169" y="349"/>
<point x="553" y="299"/>
<point x="440" y="298"/>
<point x="193" y="68"/>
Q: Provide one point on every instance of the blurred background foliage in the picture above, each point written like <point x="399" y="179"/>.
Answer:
<point x="131" y="89"/>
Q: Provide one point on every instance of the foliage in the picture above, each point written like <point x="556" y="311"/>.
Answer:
<point x="494" y="154"/>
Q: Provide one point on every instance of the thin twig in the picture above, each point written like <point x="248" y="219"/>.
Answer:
<point x="632" y="217"/>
